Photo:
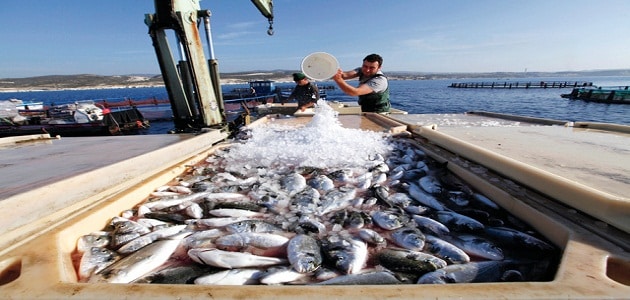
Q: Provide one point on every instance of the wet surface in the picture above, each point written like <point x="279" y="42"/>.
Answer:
<point x="27" y="165"/>
<point x="595" y="158"/>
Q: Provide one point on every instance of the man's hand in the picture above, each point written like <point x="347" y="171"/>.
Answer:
<point x="338" y="76"/>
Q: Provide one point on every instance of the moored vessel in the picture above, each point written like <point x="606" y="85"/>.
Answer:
<point x="609" y="95"/>
<point x="82" y="118"/>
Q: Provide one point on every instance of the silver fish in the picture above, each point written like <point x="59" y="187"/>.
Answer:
<point x="164" y="194"/>
<point x="484" y="271"/>
<point x="379" y="178"/>
<point x="382" y="193"/>
<point x="458" y="198"/>
<point x="140" y="262"/>
<point x="459" y="222"/>
<point x="175" y="274"/>
<point x="408" y="158"/>
<point x="416" y="209"/>
<point x="252" y="226"/>
<point x="348" y="254"/>
<point x="255" y="239"/>
<point x="364" y="181"/>
<point x="321" y="182"/>
<point x="304" y="253"/>
<point x="369" y="202"/>
<point x="282" y="275"/>
<point x="231" y="260"/>
<point x="428" y="224"/>
<point x="217" y="222"/>
<point x="516" y="239"/>
<point x="200" y="238"/>
<point x="149" y="238"/>
<point x="234" y="213"/>
<point x="94" y="260"/>
<point x="485" y="202"/>
<point x="231" y="277"/>
<point x="343" y="175"/>
<point x="380" y="168"/>
<point x="414" y="174"/>
<point x="369" y="278"/>
<point x="171" y="217"/>
<point x="194" y="211"/>
<point x="128" y="226"/>
<point x="396" y="174"/>
<point x="325" y="273"/>
<point x="151" y="223"/>
<point x="293" y="183"/>
<point x="307" y="201"/>
<point x="399" y="199"/>
<point x="371" y="237"/>
<point x="424" y="198"/>
<point x="408" y="261"/>
<point x="125" y="231"/>
<point x="337" y="199"/>
<point x="307" y="225"/>
<point x="421" y="165"/>
<point x="224" y="196"/>
<point x="430" y="184"/>
<point x="95" y="239"/>
<point x="180" y="189"/>
<point x="165" y="203"/>
<point x="477" y="246"/>
<point x="409" y="238"/>
<point x="388" y="221"/>
<point x="445" y="250"/>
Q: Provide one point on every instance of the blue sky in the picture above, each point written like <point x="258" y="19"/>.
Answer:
<point x="44" y="37"/>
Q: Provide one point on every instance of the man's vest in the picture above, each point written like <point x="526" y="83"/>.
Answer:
<point x="375" y="102"/>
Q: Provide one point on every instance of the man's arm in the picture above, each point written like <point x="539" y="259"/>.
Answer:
<point x="340" y="77"/>
<point x="291" y="96"/>
<point x="316" y="90"/>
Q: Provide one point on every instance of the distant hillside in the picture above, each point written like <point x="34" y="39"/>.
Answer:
<point x="82" y="81"/>
<point x="58" y="82"/>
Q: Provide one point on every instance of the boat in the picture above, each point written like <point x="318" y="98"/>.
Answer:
<point x="258" y="92"/>
<point x="27" y="105"/>
<point x="610" y="95"/>
<point x="82" y="118"/>
<point x="152" y="109"/>
<point x="286" y="92"/>
<point x="19" y="105"/>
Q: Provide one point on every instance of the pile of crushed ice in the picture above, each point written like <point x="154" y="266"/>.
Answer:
<point x="321" y="143"/>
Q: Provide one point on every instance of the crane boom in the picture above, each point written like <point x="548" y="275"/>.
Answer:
<point x="192" y="82"/>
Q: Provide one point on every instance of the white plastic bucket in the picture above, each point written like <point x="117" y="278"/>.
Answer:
<point x="319" y="66"/>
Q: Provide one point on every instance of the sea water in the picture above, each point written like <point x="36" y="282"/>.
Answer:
<point x="413" y="96"/>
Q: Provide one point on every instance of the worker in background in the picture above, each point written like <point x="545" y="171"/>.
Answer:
<point x="373" y="88"/>
<point x="305" y="92"/>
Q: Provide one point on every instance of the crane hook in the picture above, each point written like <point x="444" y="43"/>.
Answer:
<point x="270" y="30"/>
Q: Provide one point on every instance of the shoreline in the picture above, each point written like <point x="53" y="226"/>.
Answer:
<point x="111" y="87"/>
<point x="39" y="89"/>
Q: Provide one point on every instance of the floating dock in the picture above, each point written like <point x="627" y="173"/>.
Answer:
<point x="620" y="95"/>
<point x="572" y="188"/>
<point x="519" y="84"/>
